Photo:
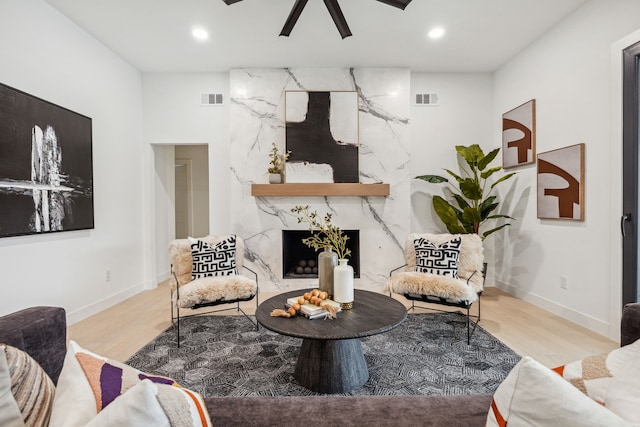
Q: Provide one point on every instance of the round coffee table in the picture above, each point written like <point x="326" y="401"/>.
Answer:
<point x="331" y="358"/>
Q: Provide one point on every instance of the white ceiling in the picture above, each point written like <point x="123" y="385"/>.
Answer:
<point x="155" y="35"/>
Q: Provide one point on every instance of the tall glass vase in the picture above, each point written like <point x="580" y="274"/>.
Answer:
<point x="327" y="260"/>
<point x="343" y="284"/>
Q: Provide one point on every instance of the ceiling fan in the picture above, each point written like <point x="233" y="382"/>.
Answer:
<point x="334" y="10"/>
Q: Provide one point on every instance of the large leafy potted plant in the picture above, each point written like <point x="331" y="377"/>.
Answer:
<point x="474" y="203"/>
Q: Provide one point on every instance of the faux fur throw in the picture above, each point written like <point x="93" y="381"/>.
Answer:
<point x="207" y="289"/>
<point x="469" y="266"/>
<point x="413" y="282"/>
<point x="216" y="288"/>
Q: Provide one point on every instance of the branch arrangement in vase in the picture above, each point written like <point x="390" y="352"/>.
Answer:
<point x="277" y="160"/>
<point x="324" y="233"/>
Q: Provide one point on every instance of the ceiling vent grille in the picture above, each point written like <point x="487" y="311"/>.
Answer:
<point x="211" y="99"/>
<point x="427" y="99"/>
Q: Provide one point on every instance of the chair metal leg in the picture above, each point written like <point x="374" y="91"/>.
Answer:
<point x="178" y="325"/>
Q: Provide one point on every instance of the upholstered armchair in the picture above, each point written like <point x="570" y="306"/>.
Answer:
<point x="205" y="273"/>
<point x="443" y="269"/>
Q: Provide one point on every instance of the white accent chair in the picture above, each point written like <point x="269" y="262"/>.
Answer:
<point x="188" y="293"/>
<point x="443" y="290"/>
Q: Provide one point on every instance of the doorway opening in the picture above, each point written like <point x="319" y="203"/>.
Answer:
<point x="191" y="191"/>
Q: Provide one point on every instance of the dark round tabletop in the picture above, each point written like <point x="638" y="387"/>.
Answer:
<point x="373" y="313"/>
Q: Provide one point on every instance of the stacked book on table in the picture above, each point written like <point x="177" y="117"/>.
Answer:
<point x="312" y="311"/>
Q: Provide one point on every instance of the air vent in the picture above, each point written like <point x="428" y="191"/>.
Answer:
<point x="430" y="99"/>
<point x="211" y="99"/>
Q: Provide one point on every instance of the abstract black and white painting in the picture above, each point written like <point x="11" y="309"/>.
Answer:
<point x="322" y="135"/>
<point x="46" y="171"/>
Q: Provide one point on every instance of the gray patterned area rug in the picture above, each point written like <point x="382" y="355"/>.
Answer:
<point x="426" y="355"/>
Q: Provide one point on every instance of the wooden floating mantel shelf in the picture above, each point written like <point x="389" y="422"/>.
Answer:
<point x="319" y="189"/>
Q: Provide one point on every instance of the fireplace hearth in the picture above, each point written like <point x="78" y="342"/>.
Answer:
<point x="300" y="261"/>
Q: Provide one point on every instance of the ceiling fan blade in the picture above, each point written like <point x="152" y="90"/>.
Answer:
<point x="338" y="18"/>
<point x="296" y="10"/>
<point x="228" y="2"/>
<point x="400" y="4"/>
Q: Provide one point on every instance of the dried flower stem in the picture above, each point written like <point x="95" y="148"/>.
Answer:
<point x="324" y="234"/>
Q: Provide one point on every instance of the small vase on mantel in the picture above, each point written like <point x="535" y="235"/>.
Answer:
<point x="327" y="261"/>
<point x="343" y="284"/>
<point x="275" y="178"/>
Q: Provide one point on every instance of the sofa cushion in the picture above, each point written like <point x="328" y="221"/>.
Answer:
<point x="90" y="384"/>
<point x="26" y="391"/>
<point x="533" y="395"/>
<point x="611" y="379"/>
<point x="39" y="331"/>
<point x="440" y="259"/>
<point x="213" y="260"/>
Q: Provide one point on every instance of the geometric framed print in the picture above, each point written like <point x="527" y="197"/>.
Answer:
<point x="561" y="183"/>
<point x="321" y="131"/>
<point x="519" y="135"/>
<point x="46" y="170"/>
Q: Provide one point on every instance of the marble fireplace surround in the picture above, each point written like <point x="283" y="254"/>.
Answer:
<point x="257" y="120"/>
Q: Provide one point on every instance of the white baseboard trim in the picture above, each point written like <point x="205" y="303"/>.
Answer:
<point x="163" y="276"/>
<point x="96" y="307"/>
<point x="576" y="317"/>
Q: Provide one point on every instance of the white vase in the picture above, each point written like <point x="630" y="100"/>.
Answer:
<point x="275" y="178"/>
<point x="343" y="284"/>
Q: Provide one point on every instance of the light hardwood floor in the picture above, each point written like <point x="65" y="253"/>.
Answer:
<point x="123" y="329"/>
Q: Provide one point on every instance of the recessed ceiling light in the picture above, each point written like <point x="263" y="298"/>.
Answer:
<point x="200" y="33"/>
<point x="436" y="33"/>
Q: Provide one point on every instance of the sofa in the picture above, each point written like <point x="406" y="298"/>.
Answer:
<point x="41" y="332"/>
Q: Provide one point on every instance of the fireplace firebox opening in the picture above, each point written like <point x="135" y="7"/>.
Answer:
<point x="300" y="261"/>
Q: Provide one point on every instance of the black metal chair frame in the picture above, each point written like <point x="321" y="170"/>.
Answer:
<point x="433" y="299"/>
<point x="175" y="320"/>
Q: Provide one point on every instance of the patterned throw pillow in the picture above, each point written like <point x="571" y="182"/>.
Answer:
<point x="96" y="391"/>
<point x="438" y="259"/>
<point x="219" y="260"/>
<point x="611" y="379"/>
<point x="27" y="390"/>
<point x="110" y="380"/>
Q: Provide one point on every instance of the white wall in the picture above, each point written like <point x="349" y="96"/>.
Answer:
<point x="173" y="116"/>
<point x="162" y="223"/>
<point x="44" y="54"/>
<point x="463" y="116"/>
<point x="568" y="72"/>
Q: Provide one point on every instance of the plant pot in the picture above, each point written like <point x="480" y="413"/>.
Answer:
<point x="275" y="178"/>
<point x="343" y="284"/>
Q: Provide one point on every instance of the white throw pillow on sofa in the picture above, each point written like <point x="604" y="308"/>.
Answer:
<point x="534" y="395"/>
